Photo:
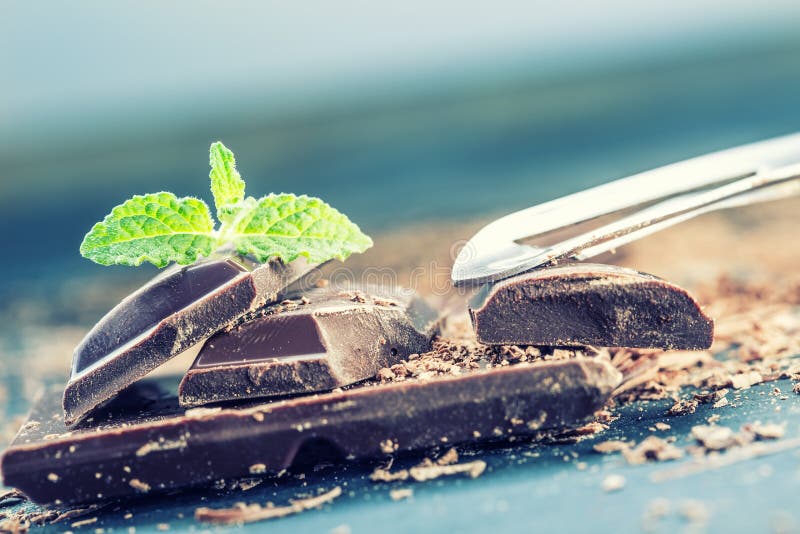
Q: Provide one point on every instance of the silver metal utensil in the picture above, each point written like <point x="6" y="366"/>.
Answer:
<point x="665" y="196"/>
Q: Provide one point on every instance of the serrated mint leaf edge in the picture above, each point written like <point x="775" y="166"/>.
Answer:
<point x="160" y="257"/>
<point x="114" y="253"/>
<point x="355" y="242"/>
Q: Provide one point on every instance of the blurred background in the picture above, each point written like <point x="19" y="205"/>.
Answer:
<point x="396" y="114"/>
<point x="403" y="115"/>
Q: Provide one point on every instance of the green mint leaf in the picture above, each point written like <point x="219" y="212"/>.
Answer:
<point x="159" y="228"/>
<point x="287" y="226"/>
<point x="227" y="185"/>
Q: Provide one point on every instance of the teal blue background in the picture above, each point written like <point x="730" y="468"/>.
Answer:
<point x="400" y="114"/>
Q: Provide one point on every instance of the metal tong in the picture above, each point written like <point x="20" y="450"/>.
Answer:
<point x="748" y="174"/>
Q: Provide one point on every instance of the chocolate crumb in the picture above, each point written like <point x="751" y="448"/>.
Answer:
<point x="429" y="469"/>
<point x="721" y="403"/>
<point x="613" y="483"/>
<point x="161" y="445"/>
<point x="694" y="512"/>
<point x="422" y="473"/>
<point x="138" y="485"/>
<point x="448" y="458"/>
<point x="389" y="446"/>
<point x="683" y="407"/>
<point x="84" y="522"/>
<point x="355" y="296"/>
<point x="766" y="430"/>
<point x="745" y="380"/>
<point x="378" y="301"/>
<point x="257" y="469"/>
<point x="248" y="513"/>
<point x="714" y="396"/>
<point x="386" y="375"/>
<point x="201" y="411"/>
<point x="384" y="475"/>
<point x="611" y="446"/>
<point x="590" y="428"/>
<point x="400" y="494"/>
<point x="713" y="437"/>
<point x="652" y="448"/>
<point x="245" y="484"/>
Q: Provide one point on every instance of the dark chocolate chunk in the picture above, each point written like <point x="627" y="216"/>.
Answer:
<point x="324" y="339"/>
<point x="143" y="442"/>
<point x="589" y="304"/>
<point x="177" y="309"/>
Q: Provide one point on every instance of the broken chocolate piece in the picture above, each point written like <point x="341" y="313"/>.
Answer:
<point x="589" y="304"/>
<point x="144" y="435"/>
<point x="324" y="339"/>
<point x="177" y="309"/>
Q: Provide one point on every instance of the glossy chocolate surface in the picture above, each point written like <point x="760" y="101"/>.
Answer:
<point x="163" y="296"/>
<point x="176" y="310"/>
<point x="143" y="442"/>
<point x="280" y="336"/>
<point x="590" y="304"/>
<point x="322" y="339"/>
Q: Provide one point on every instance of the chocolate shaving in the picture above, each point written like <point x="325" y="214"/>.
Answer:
<point x="613" y="483"/>
<point x="400" y="494"/>
<point x="429" y="469"/>
<point x="84" y="522"/>
<point x="713" y="437"/>
<point x="652" y="448"/>
<point x="683" y="407"/>
<point x="766" y="430"/>
<point x="422" y="473"/>
<point x="611" y="446"/>
<point x="249" y="513"/>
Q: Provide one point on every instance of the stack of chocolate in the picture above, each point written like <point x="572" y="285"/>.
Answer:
<point x="286" y="374"/>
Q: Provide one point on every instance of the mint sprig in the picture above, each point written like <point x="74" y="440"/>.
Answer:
<point x="161" y="228"/>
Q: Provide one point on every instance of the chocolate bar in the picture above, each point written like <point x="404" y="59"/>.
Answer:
<point x="177" y="309"/>
<point x="323" y="339"/>
<point x="143" y="442"/>
<point x="588" y="304"/>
